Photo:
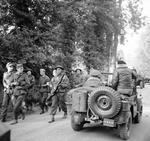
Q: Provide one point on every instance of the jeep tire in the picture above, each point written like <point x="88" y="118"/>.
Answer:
<point x="124" y="129"/>
<point x="77" y="126"/>
<point x="105" y="102"/>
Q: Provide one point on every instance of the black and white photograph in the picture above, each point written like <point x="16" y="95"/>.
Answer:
<point x="74" y="70"/>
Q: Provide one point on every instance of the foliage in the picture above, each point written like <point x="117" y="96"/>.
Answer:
<point x="142" y="57"/>
<point x="43" y="33"/>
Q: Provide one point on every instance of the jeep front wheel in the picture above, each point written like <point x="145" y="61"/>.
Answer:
<point x="125" y="129"/>
<point x="77" y="121"/>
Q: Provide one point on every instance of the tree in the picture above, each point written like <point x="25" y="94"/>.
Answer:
<point x="46" y="32"/>
<point x="142" y="58"/>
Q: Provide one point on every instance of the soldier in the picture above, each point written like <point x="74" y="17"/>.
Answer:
<point x="8" y="78"/>
<point x="61" y="81"/>
<point x="94" y="79"/>
<point x="21" y="84"/>
<point x="30" y="97"/>
<point x="79" y="79"/>
<point x="122" y="79"/>
<point x="43" y="90"/>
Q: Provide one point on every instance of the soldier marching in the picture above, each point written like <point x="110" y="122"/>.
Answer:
<point x="19" y="90"/>
<point x="21" y="84"/>
<point x="60" y="83"/>
<point x="44" y="79"/>
<point x="8" y="78"/>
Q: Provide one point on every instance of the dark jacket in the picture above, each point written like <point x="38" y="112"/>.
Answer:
<point x="23" y="83"/>
<point x="42" y="82"/>
<point x="122" y="80"/>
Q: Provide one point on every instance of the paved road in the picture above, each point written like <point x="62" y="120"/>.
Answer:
<point x="36" y="128"/>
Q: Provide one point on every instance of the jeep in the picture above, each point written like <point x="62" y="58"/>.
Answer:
<point x="105" y="106"/>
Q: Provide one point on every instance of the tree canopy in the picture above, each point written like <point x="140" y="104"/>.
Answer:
<point x="42" y="33"/>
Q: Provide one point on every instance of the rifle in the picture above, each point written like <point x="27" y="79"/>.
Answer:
<point x="53" y="91"/>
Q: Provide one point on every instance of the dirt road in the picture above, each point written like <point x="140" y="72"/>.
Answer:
<point x="36" y="128"/>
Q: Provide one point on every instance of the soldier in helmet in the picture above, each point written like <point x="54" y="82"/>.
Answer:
<point x="60" y="81"/>
<point x="44" y="79"/>
<point x="21" y="84"/>
<point x="8" y="78"/>
<point x="79" y="79"/>
<point x="94" y="79"/>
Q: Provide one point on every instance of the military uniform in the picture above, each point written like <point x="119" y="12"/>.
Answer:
<point x="59" y="98"/>
<point x="122" y="79"/>
<point x="30" y="92"/>
<point x="8" y="78"/>
<point x="79" y="79"/>
<point x="43" y="91"/>
<point x="19" y="93"/>
<point x="94" y="80"/>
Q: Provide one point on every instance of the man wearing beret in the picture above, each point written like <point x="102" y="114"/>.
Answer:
<point x="21" y="84"/>
<point x="58" y="99"/>
<point x="8" y="78"/>
<point x="43" y="90"/>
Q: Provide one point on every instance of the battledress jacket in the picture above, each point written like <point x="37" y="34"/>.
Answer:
<point x="122" y="80"/>
<point x="23" y="84"/>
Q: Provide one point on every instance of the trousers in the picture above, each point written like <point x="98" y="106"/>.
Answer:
<point x="17" y="103"/>
<point x="42" y="102"/>
<point x="58" y="100"/>
<point x="5" y="104"/>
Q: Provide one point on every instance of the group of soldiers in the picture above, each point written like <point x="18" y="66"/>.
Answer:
<point x="19" y="90"/>
<point x="15" y="88"/>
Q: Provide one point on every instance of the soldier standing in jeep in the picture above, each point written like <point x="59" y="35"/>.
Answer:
<point x="122" y="79"/>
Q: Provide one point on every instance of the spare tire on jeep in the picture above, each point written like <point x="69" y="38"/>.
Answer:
<point x="104" y="102"/>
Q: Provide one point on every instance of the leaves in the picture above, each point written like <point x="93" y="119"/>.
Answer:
<point x="48" y="32"/>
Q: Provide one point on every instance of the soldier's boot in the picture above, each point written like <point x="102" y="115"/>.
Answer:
<point x="23" y="114"/>
<point x="46" y="108"/>
<point x="42" y="108"/>
<point x="14" y="122"/>
<point x="42" y="112"/>
<point x="3" y="119"/>
<point x="65" y="115"/>
<point x="52" y="119"/>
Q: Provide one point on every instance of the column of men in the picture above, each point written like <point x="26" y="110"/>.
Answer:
<point x="18" y="88"/>
<point x="15" y="87"/>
